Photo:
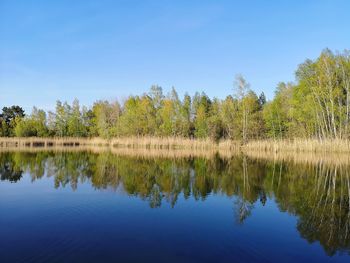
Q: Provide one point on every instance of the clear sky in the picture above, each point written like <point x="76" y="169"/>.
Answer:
<point x="100" y="49"/>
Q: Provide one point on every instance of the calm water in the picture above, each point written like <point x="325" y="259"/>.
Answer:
<point x="84" y="207"/>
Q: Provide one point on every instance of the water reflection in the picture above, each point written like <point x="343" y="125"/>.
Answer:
<point x="9" y="170"/>
<point x="317" y="194"/>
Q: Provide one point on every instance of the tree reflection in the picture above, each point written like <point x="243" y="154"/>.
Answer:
<point x="318" y="195"/>
<point x="243" y="209"/>
<point x="9" y="171"/>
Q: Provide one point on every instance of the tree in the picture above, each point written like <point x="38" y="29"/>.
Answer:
<point x="75" y="122"/>
<point x="167" y="118"/>
<point x="8" y="119"/>
<point x="88" y="122"/>
<point x="156" y="95"/>
<point x="255" y="125"/>
<point x="262" y="100"/>
<point x="33" y="125"/>
<point x="277" y="113"/>
<point x="39" y="118"/>
<point x="246" y="105"/>
<point x="230" y="118"/>
<point x="185" y="112"/>
<point x="147" y="116"/>
<point x="202" y="106"/>
<point x="61" y="116"/>
<point x="215" y="126"/>
<point x="25" y="128"/>
<point x="321" y="97"/>
<point x="139" y="117"/>
<point x="317" y="105"/>
<point x="104" y="118"/>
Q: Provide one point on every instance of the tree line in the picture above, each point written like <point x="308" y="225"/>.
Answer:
<point x="317" y="105"/>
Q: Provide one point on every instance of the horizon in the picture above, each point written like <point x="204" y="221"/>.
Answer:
<point x="109" y="50"/>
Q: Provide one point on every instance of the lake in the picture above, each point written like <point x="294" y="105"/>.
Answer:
<point x="103" y="207"/>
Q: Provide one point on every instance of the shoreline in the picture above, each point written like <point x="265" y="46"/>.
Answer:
<point x="298" y="151"/>
<point x="311" y="158"/>
<point x="177" y="143"/>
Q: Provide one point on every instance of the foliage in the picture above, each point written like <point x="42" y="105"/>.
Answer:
<point x="8" y="120"/>
<point x="316" y="106"/>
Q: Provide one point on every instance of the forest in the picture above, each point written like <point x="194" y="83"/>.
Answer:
<point x="315" y="106"/>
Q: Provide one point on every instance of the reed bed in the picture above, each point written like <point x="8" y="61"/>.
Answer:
<point x="185" y="148"/>
<point x="158" y="143"/>
<point x="336" y="159"/>
<point x="125" y="142"/>
<point x="145" y="153"/>
<point x="173" y="143"/>
<point x="50" y="142"/>
<point x="299" y="145"/>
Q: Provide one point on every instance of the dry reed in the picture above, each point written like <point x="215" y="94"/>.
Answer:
<point x="311" y="153"/>
<point x="275" y="146"/>
<point x="124" y="142"/>
<point x="299" y="145"/>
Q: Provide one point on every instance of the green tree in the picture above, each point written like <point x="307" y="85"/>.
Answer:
<point x="8" y="119"/>
<point x="277" y="113"/>
<point x="104" y="118"/>
<point x="40" y="121"/>
<point x="139" y="117"/>
<point x="33" y="125"/>
<point x="202" y="106"/>
<point x="215" y="125"/>
<point x="186" y="121"/>
<point x="25" y="128"/>
<point x="75" y="122"/>
<point x="321" y="97"/>
<point x="60" y="119"/>
<point x="167" y="118"/>
<point x="248" y="110"/>
<point x="172" y="116"/>
<point x="230" y="118"/>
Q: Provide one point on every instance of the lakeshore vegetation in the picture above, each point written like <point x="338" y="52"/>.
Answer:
<point x="315" y="107"/>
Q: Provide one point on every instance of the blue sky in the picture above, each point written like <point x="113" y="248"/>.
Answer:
<point x="100" y="49"/>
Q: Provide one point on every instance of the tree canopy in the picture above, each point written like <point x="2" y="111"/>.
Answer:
<point x="317" y="105"/>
